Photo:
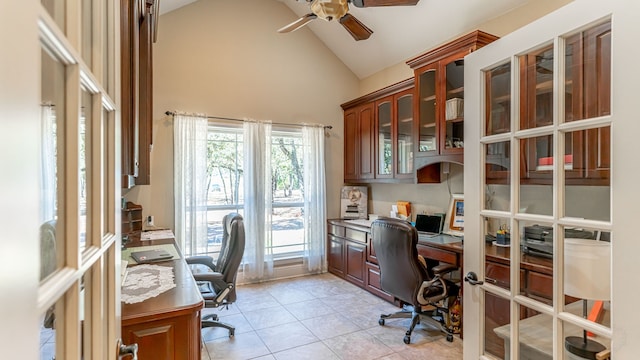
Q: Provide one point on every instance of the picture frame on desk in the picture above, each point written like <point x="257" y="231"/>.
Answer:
<point x="454" y="220"/>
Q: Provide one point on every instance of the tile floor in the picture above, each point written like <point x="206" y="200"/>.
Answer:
<point x="318" y="317"/>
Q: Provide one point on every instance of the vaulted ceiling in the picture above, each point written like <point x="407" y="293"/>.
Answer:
<point x="399" y="32"/>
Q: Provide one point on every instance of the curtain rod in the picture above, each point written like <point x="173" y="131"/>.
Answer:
<point x="173" y="113"/>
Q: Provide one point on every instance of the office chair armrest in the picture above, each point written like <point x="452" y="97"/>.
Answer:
<point x="214" y="277"/>
<point x="443" y="269"/>
<point x="202" y="260"/>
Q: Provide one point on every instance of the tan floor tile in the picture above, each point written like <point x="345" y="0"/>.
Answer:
<point x="358" y="345"/>
<point x="314" y="351"/>
<point x="237" y="320"/>
<point x="240" y="347"/>
<point x="264" y="318"/>
<point x="286" y="336"/>
<point x="309" y="309"/>
<point x="329" y="326"/>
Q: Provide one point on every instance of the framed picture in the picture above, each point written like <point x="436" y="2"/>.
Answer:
<point x="454" y="221"/>
<point x="353" y="202"/>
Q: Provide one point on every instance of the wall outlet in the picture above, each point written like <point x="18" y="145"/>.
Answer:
<point x="150" y="220"/>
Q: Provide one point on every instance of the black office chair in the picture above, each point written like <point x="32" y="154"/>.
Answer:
<point x="217" y="281"/>
<point x="405" y="276"/>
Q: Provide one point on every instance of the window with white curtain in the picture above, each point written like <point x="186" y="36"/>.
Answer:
<point x="225" y="187"/>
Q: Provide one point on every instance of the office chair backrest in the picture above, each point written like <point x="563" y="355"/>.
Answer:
<point x="224" y="248"/>
<point x="235" y="250"/>
<point x="401" y="273"/>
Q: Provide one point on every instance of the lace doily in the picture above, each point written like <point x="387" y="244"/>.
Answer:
<point x="146" y="281"/>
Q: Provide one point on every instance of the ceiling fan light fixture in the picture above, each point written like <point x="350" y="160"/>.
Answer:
<point x="330" y="9"/>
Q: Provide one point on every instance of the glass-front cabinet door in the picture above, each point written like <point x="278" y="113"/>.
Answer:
<point x="427" y="140"/>
<point x="404" y="130"/>
<point x="384" y="142"/>
<point x="540" y="233"/>
<point x="453" y="69"/>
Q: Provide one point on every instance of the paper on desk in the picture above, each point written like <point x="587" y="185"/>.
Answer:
<point x="156" y="234"/>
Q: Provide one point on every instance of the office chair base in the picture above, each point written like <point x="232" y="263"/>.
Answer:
<point x="212" y="321"/>
<point x="415" y="320"/>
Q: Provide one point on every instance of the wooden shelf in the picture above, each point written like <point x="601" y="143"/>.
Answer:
<point x="428" y="98"/>
<point x="456" y="90"/>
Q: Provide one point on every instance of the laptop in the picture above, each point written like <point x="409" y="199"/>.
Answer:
<point x="147" y="256"/>
<point x="428" y="225"/>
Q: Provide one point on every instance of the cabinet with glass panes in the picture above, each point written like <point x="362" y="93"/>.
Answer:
<point x="439" y="104"/>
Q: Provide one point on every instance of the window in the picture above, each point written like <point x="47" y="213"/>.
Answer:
<point x="225" y="187"/>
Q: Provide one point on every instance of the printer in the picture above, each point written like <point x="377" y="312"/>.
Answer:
<point x="538" y="239"/>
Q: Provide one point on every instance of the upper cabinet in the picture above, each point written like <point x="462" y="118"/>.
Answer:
<point x="439" y="104"/>
<point x="139" y="19"/>
<point x="379" y="139"/>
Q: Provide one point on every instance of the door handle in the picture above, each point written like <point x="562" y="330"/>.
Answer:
<point x="472" y="278"/>
<point x="126" y="350"/>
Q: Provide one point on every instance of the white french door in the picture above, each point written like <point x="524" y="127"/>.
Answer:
<point x="60" y="195"/>
<point x="549" y="187"/>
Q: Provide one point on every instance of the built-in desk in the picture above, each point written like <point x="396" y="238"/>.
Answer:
<point x="166" y="327"/>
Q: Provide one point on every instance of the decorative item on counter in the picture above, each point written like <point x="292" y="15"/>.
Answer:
<point x="503" y="238"/>
<point x="404" y="209"/>
<point x="353" y="202"/>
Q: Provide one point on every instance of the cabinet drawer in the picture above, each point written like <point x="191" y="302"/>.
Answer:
<point x="335" y="230"/>
<point x="498" y="274"/>
<point x="540" y="285"/>
<point x="372" y="283"/>
<point x="448" y="257"/>
<point x="356" y="235"/>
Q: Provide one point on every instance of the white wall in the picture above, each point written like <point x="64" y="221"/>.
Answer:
<point x="225" y="58"/>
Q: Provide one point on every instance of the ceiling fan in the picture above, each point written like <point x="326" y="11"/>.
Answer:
<point x="339" y="9"/>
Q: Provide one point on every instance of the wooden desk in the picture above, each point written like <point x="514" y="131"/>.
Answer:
<point x="166" y="327"/>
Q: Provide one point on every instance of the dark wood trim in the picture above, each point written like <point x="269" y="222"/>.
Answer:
<point x="471" y="41"/>
<point x="378" y="94"/>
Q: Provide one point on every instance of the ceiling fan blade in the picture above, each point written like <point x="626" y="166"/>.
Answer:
<point x="372" y="3"/>
<point x="298" y="23"/>
<point x="357" y="29"/>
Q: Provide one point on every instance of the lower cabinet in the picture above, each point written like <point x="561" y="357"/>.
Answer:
<point x="351" y="257"/>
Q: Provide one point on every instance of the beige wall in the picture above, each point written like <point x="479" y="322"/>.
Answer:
<point x="225" y="58"/>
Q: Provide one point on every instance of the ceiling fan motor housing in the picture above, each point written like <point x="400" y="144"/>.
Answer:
<point x="329" y="9"/>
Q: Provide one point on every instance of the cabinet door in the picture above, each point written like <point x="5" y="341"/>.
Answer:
<point x="384" y="138"/>
<point x="336" y="255"/>
<point x="354" y="261"/>
<point x="403" y="139"/>
<point x="451" y="118"/>
<point x="426" y="110"/>
<point x="366" y="135"/>
<point x="351" y="145"/>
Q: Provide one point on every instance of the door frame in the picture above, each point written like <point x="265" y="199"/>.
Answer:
<point x="624" y="194"/>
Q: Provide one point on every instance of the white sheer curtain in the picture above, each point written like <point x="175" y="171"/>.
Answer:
<point x="190" y="182"/>
<point x="315" y="207"/>
<point x="258" y="255"/>
<point x="48" y="165"/>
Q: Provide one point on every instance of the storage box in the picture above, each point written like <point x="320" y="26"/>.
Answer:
<point x="454" y="109"/>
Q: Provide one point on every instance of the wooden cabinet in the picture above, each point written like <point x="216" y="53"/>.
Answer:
<point x="351" y="257"/>
<point x="439" y="104"/>
<point x="379" y="137"/>
<point x="359" y="143"/>
<point x="138" y="30"/>
<point x="132" y="221"/>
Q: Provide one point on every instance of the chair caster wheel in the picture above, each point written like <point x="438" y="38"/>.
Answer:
<point x="407" y="339"/>
<point x="232" y="334"/>
<point x="381" y="322"/>
<point x="449" y="338"/>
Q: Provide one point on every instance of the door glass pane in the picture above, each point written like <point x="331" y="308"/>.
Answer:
<point x="56" y="8"/>
<point x="85" y="311"/>
<point x="588" y="73"/>
<point x="536" y="168"/>
<point x="404" y="107"/>
<point x="498" y="176"/>
<point x="535" y="331"/>
<point x="536" y="260"/>
<point x="106" y="43"/>
<point x="496" y="325"/>
<point x="497" y="252"/>
<point x="48" y="335"/>
<point x="454" y="108"/>
<point x="587" y="173"/>
<point x="536" y="88"/>
<point x="384" y="138"/>
<point x="52" y="144"/>
<point x="107" y="197"/>
<point x="83" y="156"/>
<point x="427" y="132"/>
<point x="498" y="95"/>
<point x="87" y="31"/>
